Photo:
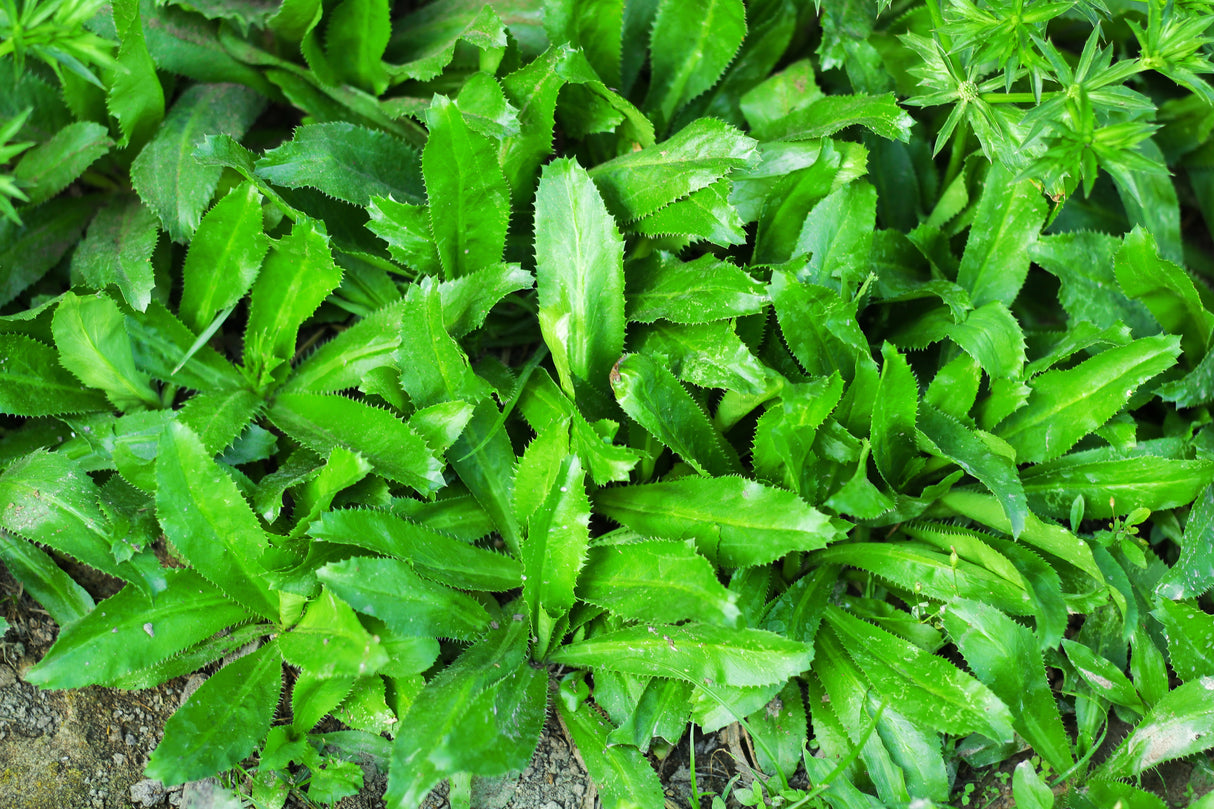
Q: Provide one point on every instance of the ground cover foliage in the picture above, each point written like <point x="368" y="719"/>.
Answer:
<point x="843" y="370"/>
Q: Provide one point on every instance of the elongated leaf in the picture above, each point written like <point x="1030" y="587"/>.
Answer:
<point x="433" y="554"/>
<point x="622" y="775"/>
<point x="650" y="394"/>
<point x="94" y="346"/>
<point x="330" y="642"/>
<point x="221" y="723"/>
<point x="642" y="182"/>
<point x="389" y="590"/>
<point x="829" y="114"/>
<point x="33" y="383"/>
<point x="345" y="161"/>
<point x="346" y="360"/>
<point x="690" y="46"/>
<point x="1004" y="655"/>
<point x="698" y="653"/>
<point x="296" y="277"/>
<point x="981" y="455"/>
<point x="428" y="37"/>
<point x="468" y="300"/>
<point x="29" y="251"/>
<point x="128" y="633"/>
<point x="50" y="167"/>
<point x="925" y="688"/>
<point x="1190" y="636"/>
<point x="819" y="326"/>
<point x="698" y="291"/>
<point x="1084" y="264"/>
<point x="992" y="336"/>
<point x="406" y="229"/>
<point x="224" y="257"/>
<point x="656" y="581"/>
<point x="420" y="759"/>
<point x="205" y="516"/>
<point x="1166" y="290"/>
<point x="837" y="237"/>
<point x="1067" y="405"/>
<point x="1195" y="388"/>
<point x="1193" y="573"/>
<point x="168" y="178"/>
<point x="710" y="355"/>
<point x="996" y="259"/>
<point x="355" y="39"/>
<point x="1108" y="681"/>
<point x="554" y="549"/>
<point x="735" y="522"/>
<point x="167" y="350"/>
<point x="579" y="275"/>
<point x="895" y="414"/>
<point x="433" y="366"/>
<point x="467" y="193"/>
<point x="54" y="590"/>
<point x="1146" y="481"/>
<point x="706" y="215"/>
<point x="1180" y="724"/>
<point x="134" y="94"/>
<point x="322" y="422"/>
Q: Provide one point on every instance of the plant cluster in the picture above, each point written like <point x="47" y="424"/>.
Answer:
<point x="400" y="360"/>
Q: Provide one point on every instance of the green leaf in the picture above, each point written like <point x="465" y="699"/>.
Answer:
<point x="1004" y="655"/>
<point x="1195" y="388"/>
<point x="640" y="183"/>
<point x="1145" y="481"/>
<point x="432" y="553"/>
<point x="1166" y="290"/>
<point x="330" y="642"/>
<point x="355" y="40"/>
<point x="223" y="257"/>
<point x="28" y="252"/>
<point x="451" y="707"/>
<point x="1193" y="573"/>
<point x="699" y="653"/>
<point x="165" y="174"/>
<point x="1067" y="405"/>
<point x="554" y="548"/>
<point x="118" y="250"/>
<point x="622" y="776"/>
<point x="656" y="581"/>
<point x="54" y="590"/>
<point x="1008" y="219"/>
<point x="205" y="516"/>
<point x="827" y="115"/>
<point x="837" y="237"/>
<point x="345" y="161"/>
<point x="1084" y="264"/>
<point x="468" y="197"/>
<point x="94" y="345"/>
<point x="819" y="326"/>
<point x="50" y="167"/>
<point x="651" y="395"/>
<point x="579" y="276"/>
<point x="706" y="215"/>
<point x="1106" y="680"/>
<point x="406" y="229"/>
<point x="166" y="349"/>
<point x="1029" y="790"/>
<point x="296" y="277"/>
<point x="127" y="632"/>
<point x="735" y="522"/>
<point x="710" y="355"/>
<point x="389" y="590"/>
<point x="980" y="454"/>
<point x="467" y="301"/>
<point x="222" y="722"/>
<point x="346" y="360"/>
<point x="992" y="336"/>
<point x="322" y="422"/>
<point x="926" y="689"/>
<point x="135" y="96"/>
<point x="433" y="366"/>
<point x="698" y="291"/>
<point x="690" y="46"/>
<point x="1180" y="724"/>
<point x="895" y="414"/>
<point x="1190" y="636"/>
<point x="33" y="383"/>
<point x="428" y="38"/>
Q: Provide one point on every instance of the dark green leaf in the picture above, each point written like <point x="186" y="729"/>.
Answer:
<point x="996" y="259"/>
<point x="134" y="96"/>
<point x="33" y="383"/>
<point x="54" y="590"/>
<point x="50" y="167"/>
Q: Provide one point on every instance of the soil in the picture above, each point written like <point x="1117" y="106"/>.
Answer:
<point x="87" y="749"/>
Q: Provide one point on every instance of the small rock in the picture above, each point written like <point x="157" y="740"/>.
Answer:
<point x="7" y="677"/>
<point x="147" y="792"/>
